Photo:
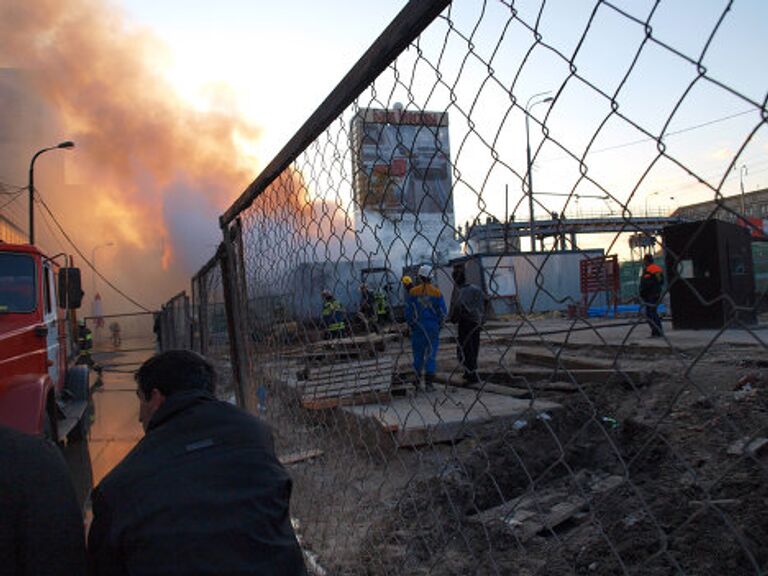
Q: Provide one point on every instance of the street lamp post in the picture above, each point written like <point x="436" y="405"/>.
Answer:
<point x="67" y="144"/>
<point x="743" y="172"/>
<point x="528" y="108"/>
<point x="648" y="198"/>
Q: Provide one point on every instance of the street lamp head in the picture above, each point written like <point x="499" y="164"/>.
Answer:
<point x="67" y="144"/>
<point x="548" y="99"/>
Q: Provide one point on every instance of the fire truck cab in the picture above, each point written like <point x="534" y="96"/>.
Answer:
<point x="42" y="392"/>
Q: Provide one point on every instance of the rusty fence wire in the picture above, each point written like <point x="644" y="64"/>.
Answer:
<point x="512" y="143"/>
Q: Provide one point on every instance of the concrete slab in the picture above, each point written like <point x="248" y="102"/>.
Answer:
<point x="627" y="333"/>
<point x="443" y="415"/>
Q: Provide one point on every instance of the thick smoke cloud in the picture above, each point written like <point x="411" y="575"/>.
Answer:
<point x="149" y="173"/>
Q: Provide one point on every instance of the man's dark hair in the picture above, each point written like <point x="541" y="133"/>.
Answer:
<point x="648" y="259"/>
<point x="176" y="371"/>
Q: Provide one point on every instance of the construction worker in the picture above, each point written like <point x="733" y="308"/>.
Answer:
<point x="114" y="330"/>
<point x="367" y="310"/>
<point x="85" y="343"/>
<point x="467" y="310"/>
<point x="382" y="306"/>
<point x="333" y="316"/>
<point x="651" y="283"/>
<point x="425" y="311"/>
<point x="407" y="283"/>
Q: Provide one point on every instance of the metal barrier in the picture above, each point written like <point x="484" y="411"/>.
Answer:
<point x="176" y="323"/>
<point x="210" y="334"/>
<point x="576" y="446"/>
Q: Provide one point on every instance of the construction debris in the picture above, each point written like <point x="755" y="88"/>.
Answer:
<point x="544" y="510"/>
<point x="750" y="447"/>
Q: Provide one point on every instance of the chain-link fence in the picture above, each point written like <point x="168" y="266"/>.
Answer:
<point x="175" y="323"/>
<point x="493" y="417"/>
<point x="211" y="337"/>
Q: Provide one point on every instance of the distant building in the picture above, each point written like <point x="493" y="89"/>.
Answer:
<point x="755" y="217"/>
<point x="730" y="209"/>
<point x="401" y="179"/>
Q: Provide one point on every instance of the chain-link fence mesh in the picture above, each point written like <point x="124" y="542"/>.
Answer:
<point x="575" y="443"/>
<point x="210" y="335"/>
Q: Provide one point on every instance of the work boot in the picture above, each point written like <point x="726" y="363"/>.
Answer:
<point x="429" y="380"/>
<point x="418" y="385"/>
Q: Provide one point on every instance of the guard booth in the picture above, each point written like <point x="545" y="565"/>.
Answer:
<point x="710" y="274"/>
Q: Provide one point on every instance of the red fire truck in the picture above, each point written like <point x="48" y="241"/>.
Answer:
<point x="42" y="391"/>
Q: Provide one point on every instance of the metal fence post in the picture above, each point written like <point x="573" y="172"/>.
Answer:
<point x="236" y="311"/>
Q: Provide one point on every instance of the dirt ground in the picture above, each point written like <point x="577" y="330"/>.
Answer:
<point x="644" y="479"/>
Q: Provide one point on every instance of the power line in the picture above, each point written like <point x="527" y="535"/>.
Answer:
<point x="672" y="133"/>
<point x="55" y="237"/>
<point x="88" y="262"/>
<point x="12" y="200"/>
<point x="5" y="187"/>
<point x="675" y="132"/>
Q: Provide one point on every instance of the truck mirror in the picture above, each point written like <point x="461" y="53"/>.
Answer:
<point x="70" y="289"/>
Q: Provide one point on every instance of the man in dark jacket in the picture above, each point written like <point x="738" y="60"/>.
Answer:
<point x="651" y="283"/>
<point x="467" y="310"/>
<point x="41" y="527"/>
<point x="202" y="493"/>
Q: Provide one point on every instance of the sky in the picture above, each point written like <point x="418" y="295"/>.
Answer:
<point x="177" y="105"/>
<point x="273" y="61"/>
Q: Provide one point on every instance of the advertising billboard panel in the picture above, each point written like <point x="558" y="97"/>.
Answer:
<point x="401" y="162"/>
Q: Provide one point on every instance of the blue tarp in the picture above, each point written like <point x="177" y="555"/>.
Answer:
<point x="621" y="310"/>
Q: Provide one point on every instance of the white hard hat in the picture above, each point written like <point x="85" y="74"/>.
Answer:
<point x="425" y="271"/>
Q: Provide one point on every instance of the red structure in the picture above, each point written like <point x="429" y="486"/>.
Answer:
<point x="42" y="391"/>
<point x="599" y="275"/>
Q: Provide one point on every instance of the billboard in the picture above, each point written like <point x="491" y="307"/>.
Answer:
<point x="758" y="227"/>
<point x="401" y="162"/>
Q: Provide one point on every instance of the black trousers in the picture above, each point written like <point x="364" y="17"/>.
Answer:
<point x="652" y="316"/>
<point x="469" y="346"/>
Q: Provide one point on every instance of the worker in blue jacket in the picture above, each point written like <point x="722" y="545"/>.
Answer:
<point x="425" y="312"/>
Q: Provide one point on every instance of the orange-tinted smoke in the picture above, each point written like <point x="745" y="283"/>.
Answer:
<point x="135" y="137"/>
<point x="288" y="200"/>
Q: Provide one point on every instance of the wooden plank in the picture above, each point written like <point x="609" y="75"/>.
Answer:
<point x="297" y="457"/>
<point x="522" y="375"/>
<point x="500" y="389"/>
<point x="382" y="379"/>
<point x="315" y="372"/>
<point x="352" y="375"/>
<point x="503" y="383"/>
<point x="550" y="360"/>
<point x="558" y="514"/>
<point x="349" y="381"/>
<point x="336" y="401"/>
<point x="547" y="386"/>
<point x="323" y="393"/>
